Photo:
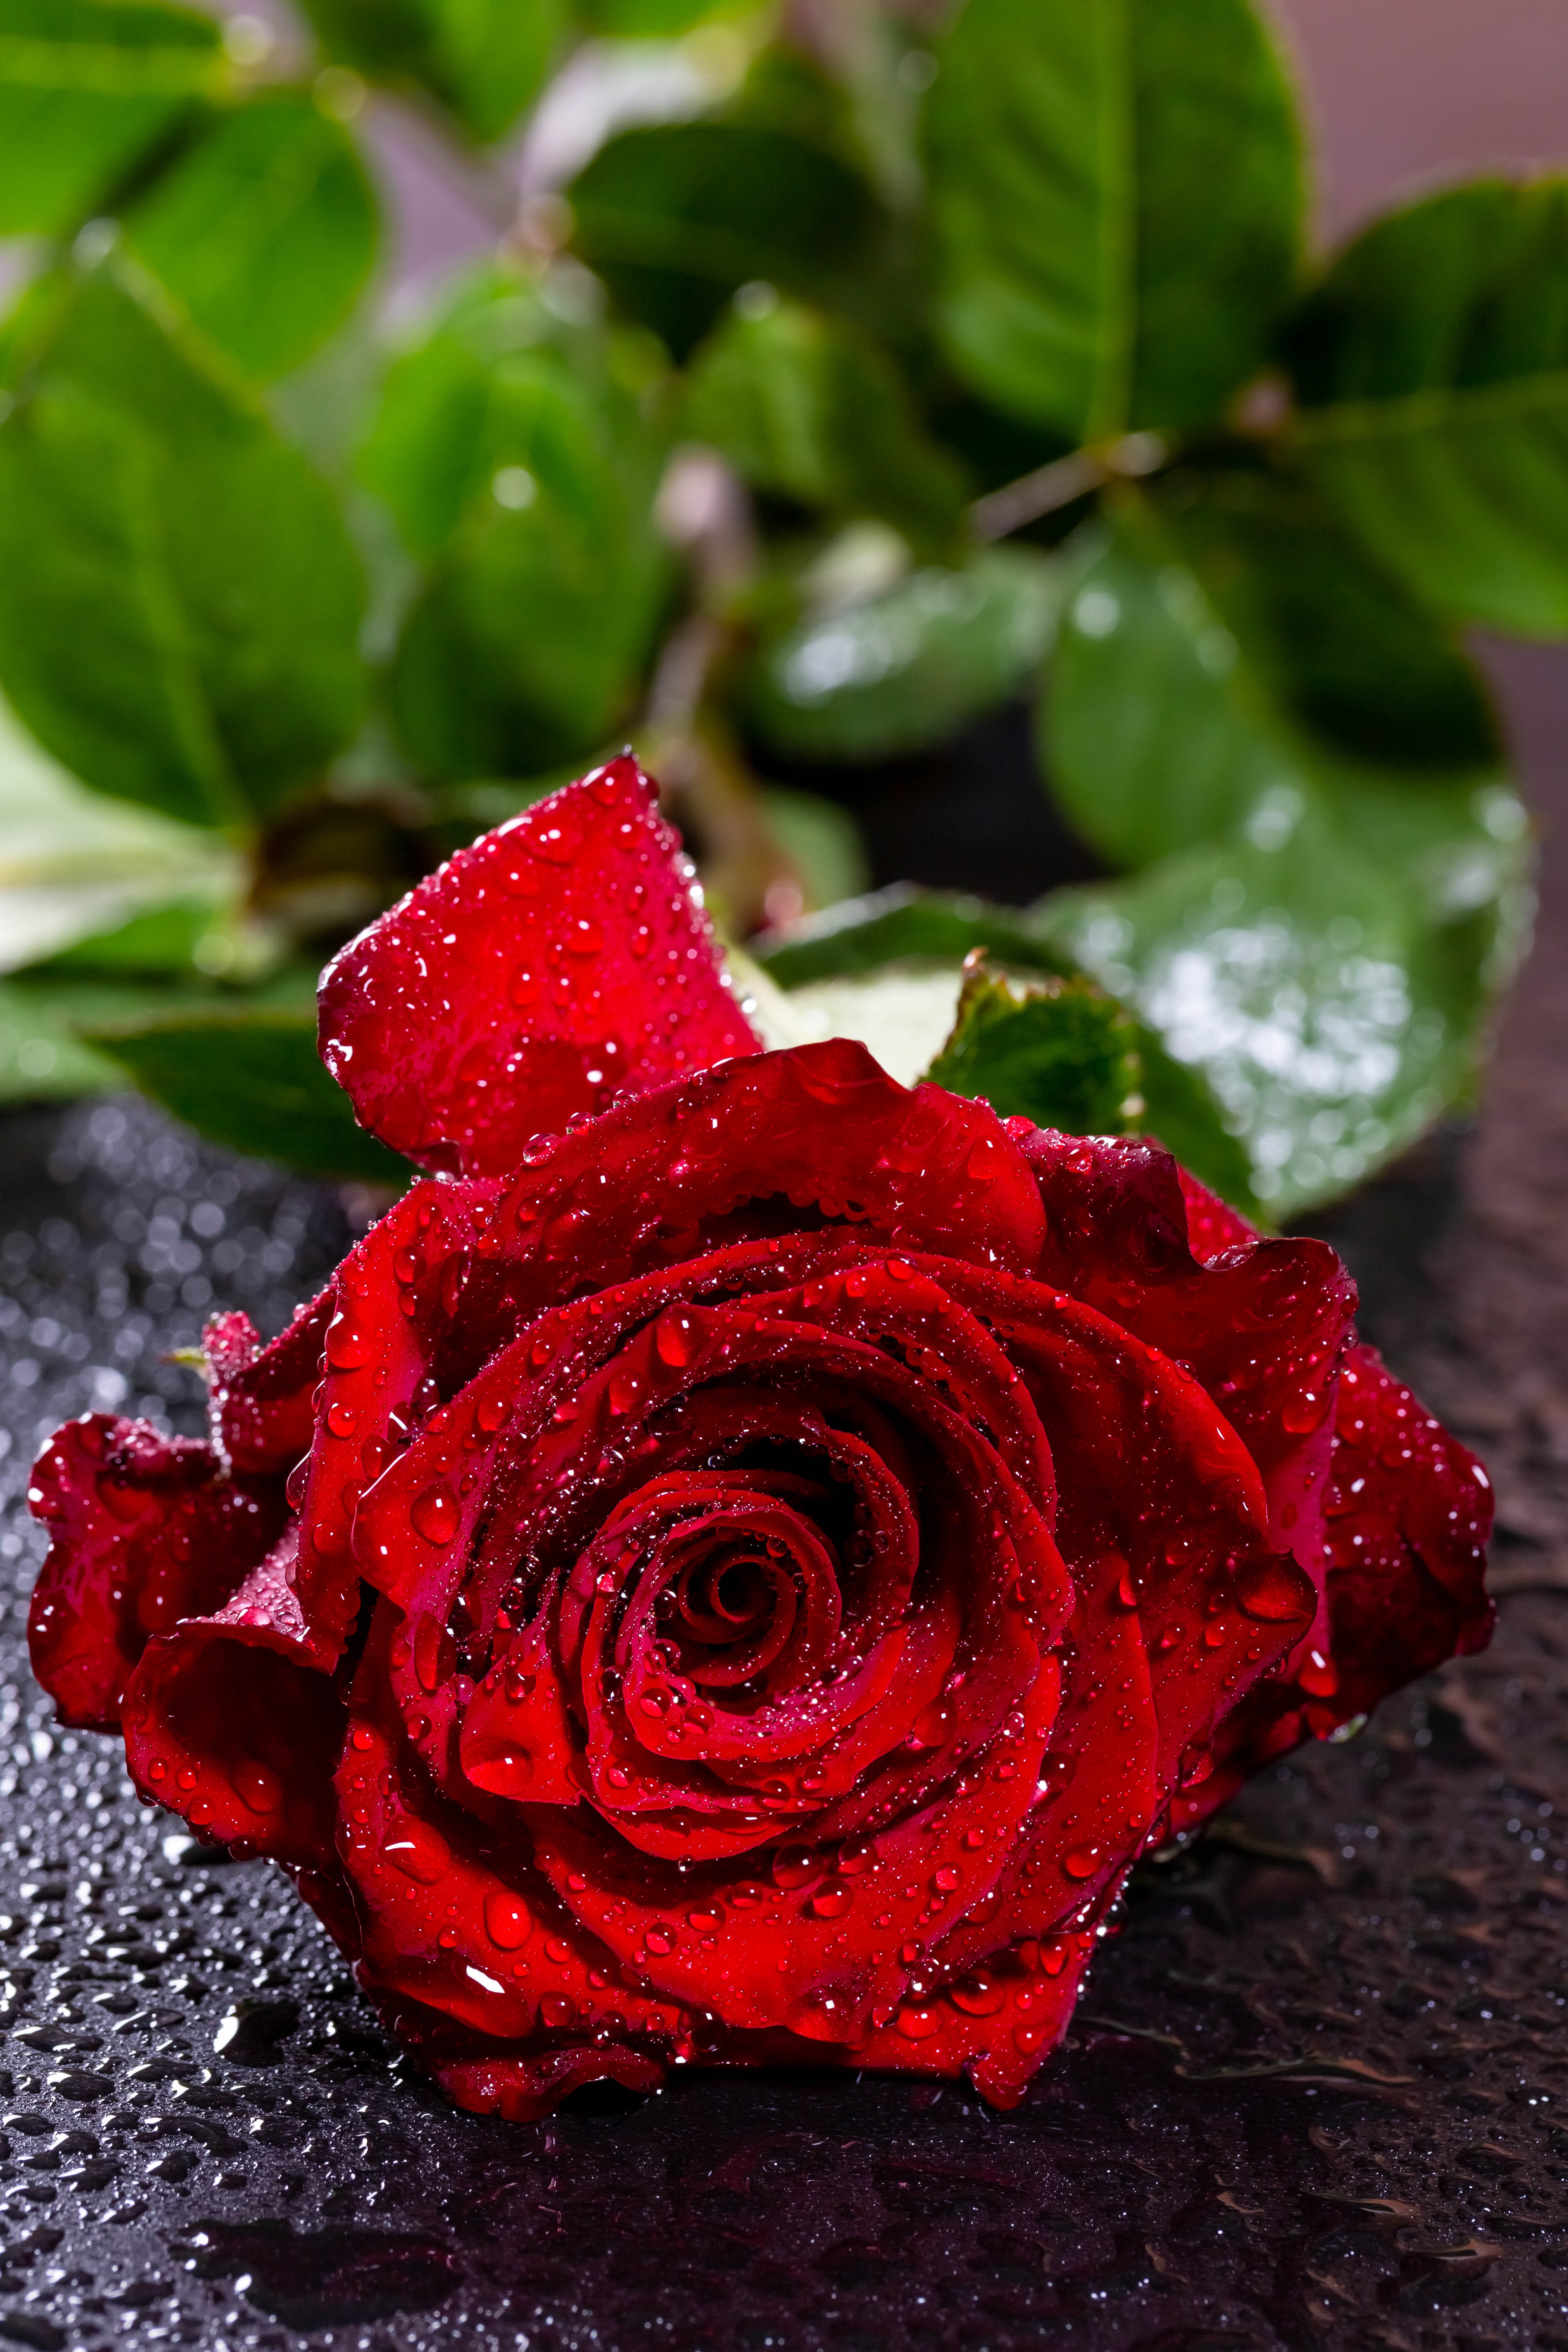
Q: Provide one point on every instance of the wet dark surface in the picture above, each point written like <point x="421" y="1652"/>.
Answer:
<point x="1317" y="2093"/>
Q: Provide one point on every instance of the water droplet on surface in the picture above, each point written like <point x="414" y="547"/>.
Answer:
<point x="342" y="1419"/>
<point x="1082" y="1862"/>
<point x="661" y="1939"/>
<point x="832" y="1902"/>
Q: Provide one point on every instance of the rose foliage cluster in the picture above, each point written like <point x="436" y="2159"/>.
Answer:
<point x="734" y="1569"/>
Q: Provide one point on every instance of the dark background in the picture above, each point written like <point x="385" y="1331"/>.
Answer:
<point x="1317" y="2091"/>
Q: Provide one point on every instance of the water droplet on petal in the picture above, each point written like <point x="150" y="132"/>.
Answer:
<point x="420" y="1852"/>
<point x="507" y="1921"/>
<point x="917" y="2024"/>
<point x="435" y="1514"/>
<point x="1272" y="1591"/>
<point x="1082" y="1862"/>
<point x="258" y="1785"/>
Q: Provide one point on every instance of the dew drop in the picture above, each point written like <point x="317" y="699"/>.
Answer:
<point x="1272" y="1591"/>
<point x="832" y="1902"/>
<point x="435" y="1514"/>
<point x="661" y="1939"/>
<point x="1082" y="1862"/>
<point x="258" y="1785"/>
<point x="341" y="1420"/>
<point x="507" y="1921"/>
<point x="420" y="1852"/>
<point x="796" y="1865"/>
<point x="347" y="1345"/>
<point x="978" y="1996"/>
<point x="917" y="2024"/>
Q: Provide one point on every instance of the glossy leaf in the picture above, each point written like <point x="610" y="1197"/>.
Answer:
<point x="911" y="666"/>
<point x="1320" y="935"/>
<point x="527" y="645"/>
<point x="1117" y="190"/>
<point x="1059" y="1052"/>
<point x="485" y="60"/>
<point x="676" y="217"/>
<point x="807" y="408"/>
<point x="1432" y="365"/>
<point x="1332" y="982"/>
<point x="1219" y="639"/>
<point x="265" y="230"/>
<point x="86" y="88"/>
<point x="179" y="601"/>
<point x="251" y="1080"/>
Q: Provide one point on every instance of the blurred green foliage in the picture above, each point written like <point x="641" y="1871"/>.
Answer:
<point x="716" y="449"/>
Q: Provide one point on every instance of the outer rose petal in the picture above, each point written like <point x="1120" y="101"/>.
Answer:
<point x="231" y="1722"/>
<point x="146" y="1530"/>
<point x="1409" y="1511"/>
<point x="1262" y="1327"/>
<point x="259" y="1398"/>
<point x="561" y="961"/>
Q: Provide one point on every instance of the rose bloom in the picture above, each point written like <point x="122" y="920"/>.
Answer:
<point x="734" y="1569"/>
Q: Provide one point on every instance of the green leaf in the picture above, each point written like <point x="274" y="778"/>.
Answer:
<point x="1432" y="365"/>
<point x="179" y="601"/>
<point x="651" y="20"/>
<point x="528" y="644"/>
<point x="443" y="427"/>
<point x="1334" y="986"/>
<point x="676" y="217"/>
<point x="911" y="666"/>
<point x="1219" y="641"/>
<point x="807" y="408"/>
<point x="253" y="1081"/>
<point x="1059" y="1052"/>
<point x="73" y="866"/>
<point x="86" y="88"/>
<point x="824" y="842"/>
<point x="1181" y="1112"/>
<point x="1321" y="936"/>
<point x="1116" y="191"/>
<point x="900" y="923"/>
<point x="265" y="230"/>
<point x="43" y="1058"/>
<point x="485" y="60"/>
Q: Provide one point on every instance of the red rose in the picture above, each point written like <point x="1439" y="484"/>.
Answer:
<point x="739" y="1581"/>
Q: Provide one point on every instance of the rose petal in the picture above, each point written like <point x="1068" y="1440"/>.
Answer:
<point x="232" y="1721"/>
<point x="1408" y="1512"/>
<point x="561" y="961"/>
<point x="260" y="1399"/>
<point x="146" y="1530"/>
